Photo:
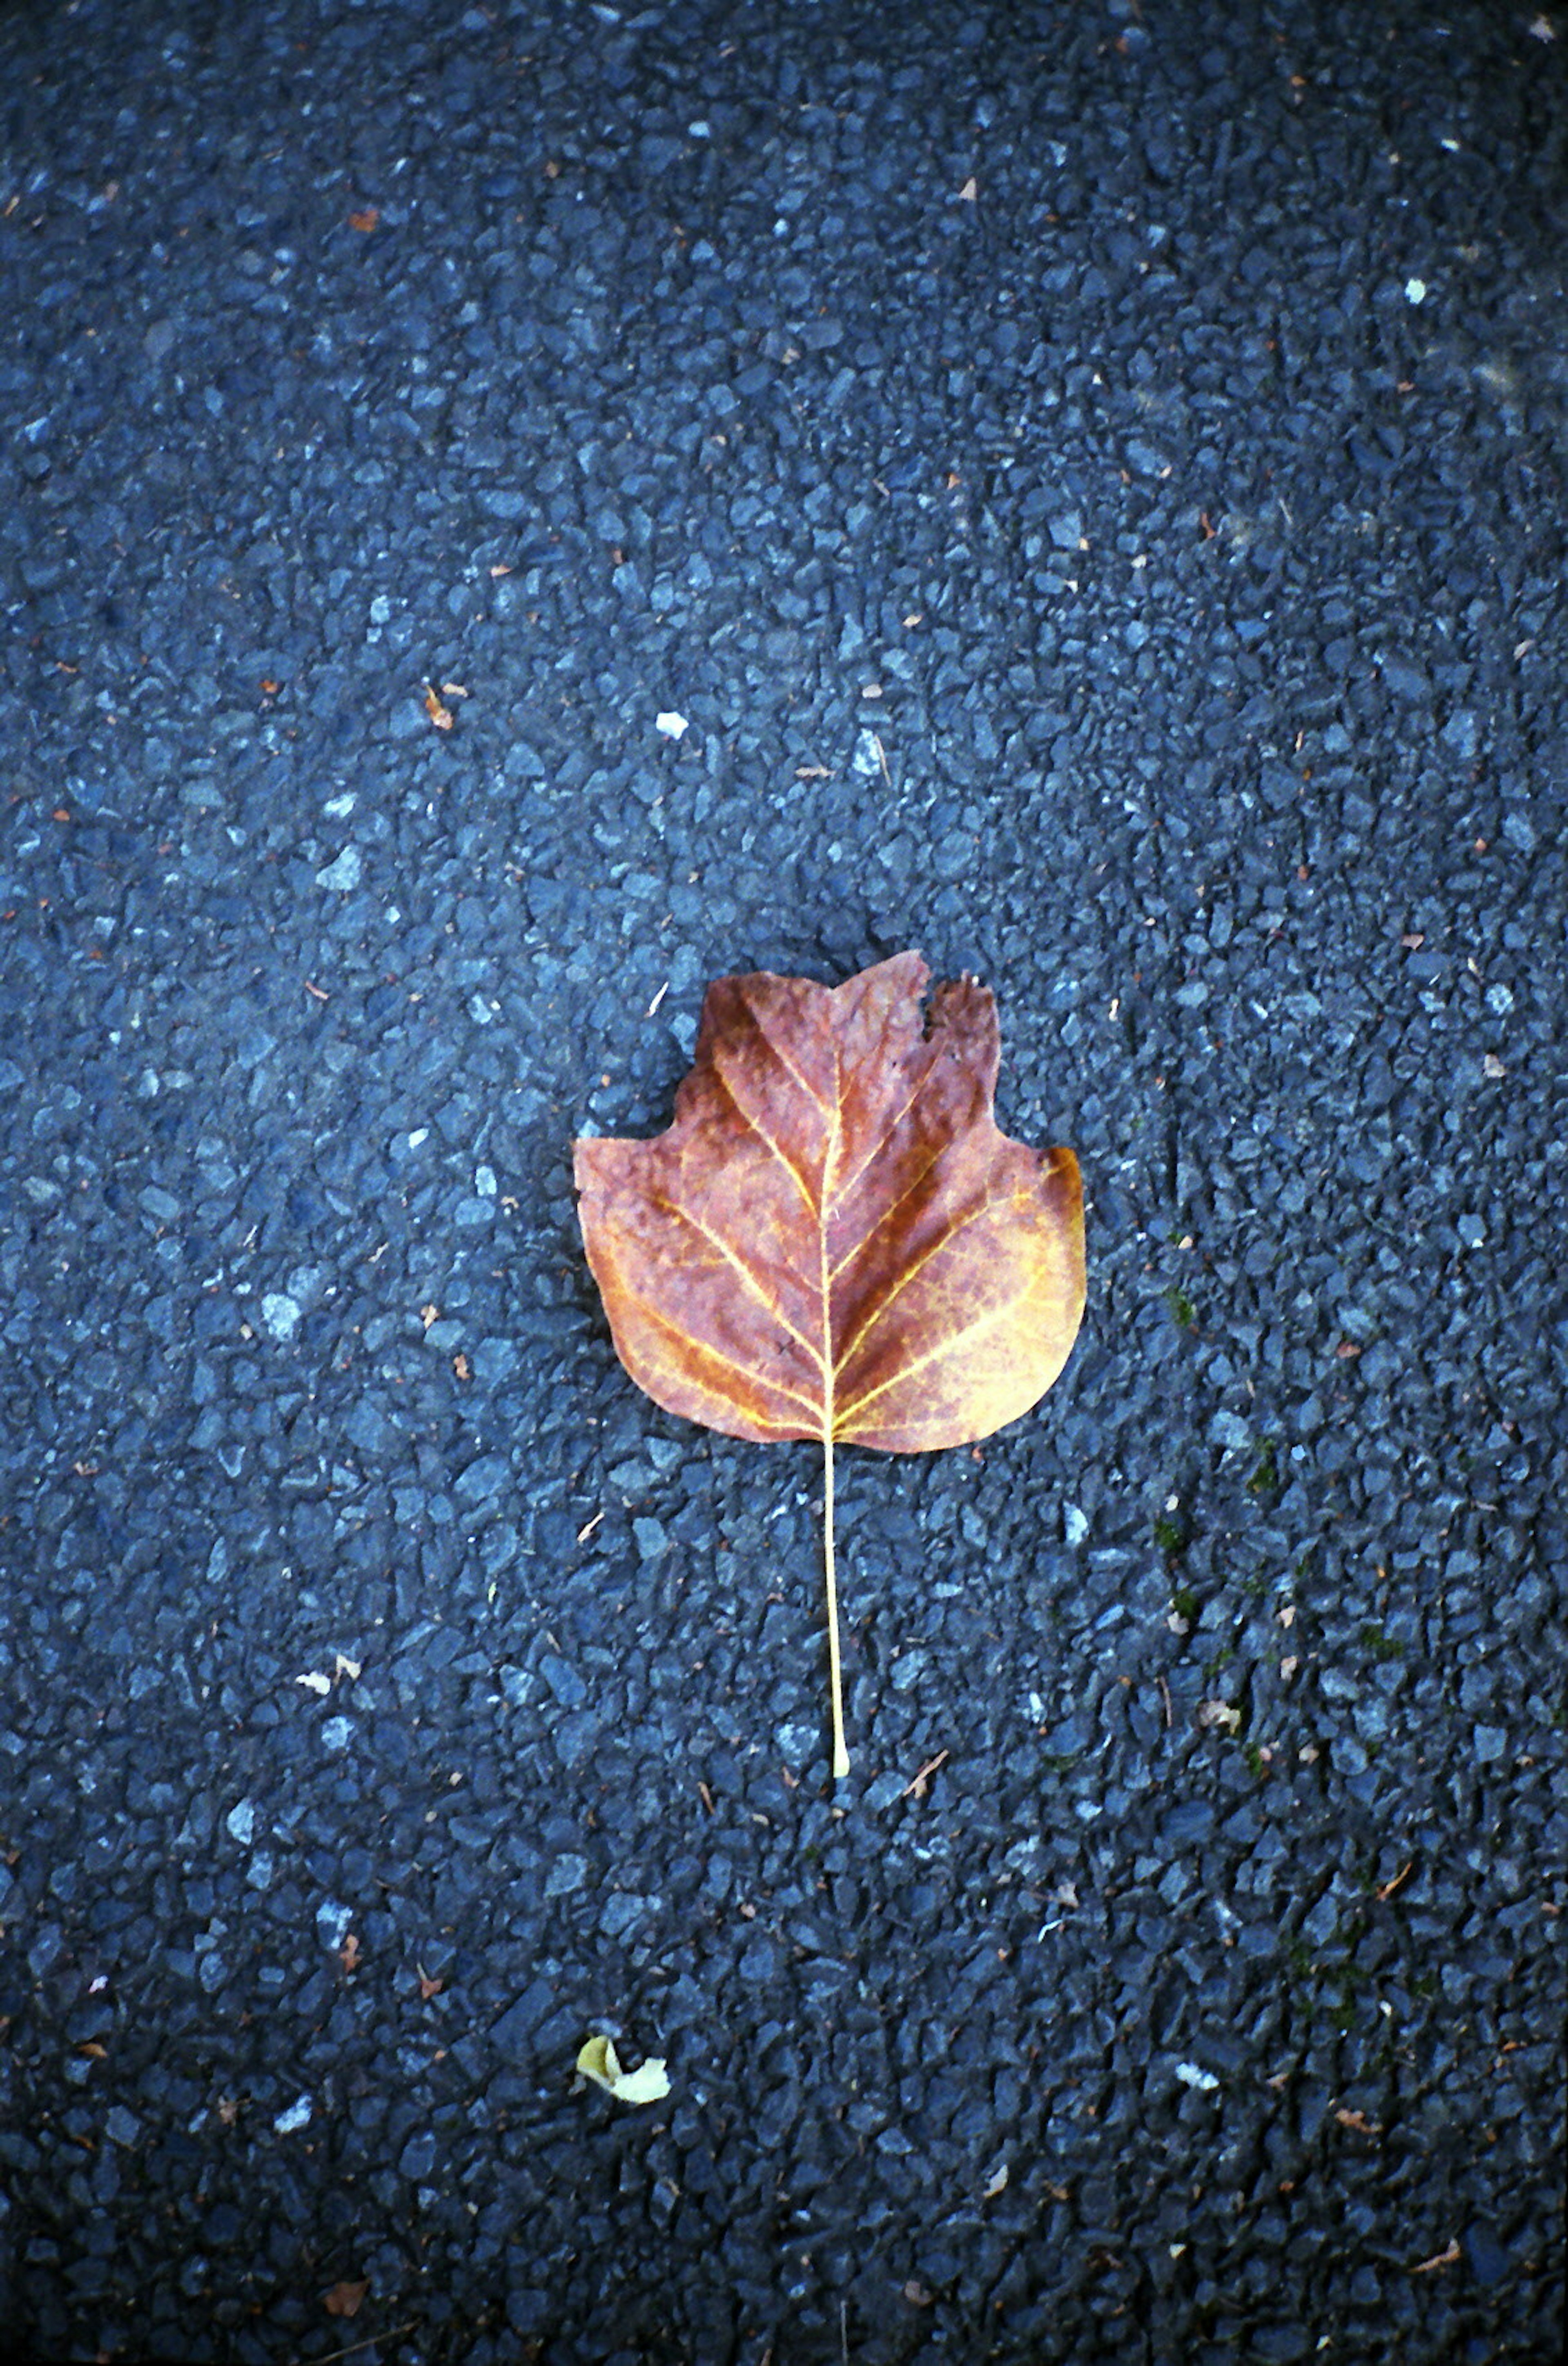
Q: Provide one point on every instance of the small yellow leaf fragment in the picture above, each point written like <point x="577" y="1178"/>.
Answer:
<point x="1218" y="1712"/>
<point x="598" y="2061"/>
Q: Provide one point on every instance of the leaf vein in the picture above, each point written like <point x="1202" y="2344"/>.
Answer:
<point x="890" y="1210"/>
<point x="954" y="1341"/>
<point x="680" y="1339"/>
<point x="889" y="1129"/>
<point x="884" y="1306"/>
<point x="752" y="1123"/>
<point x="758" y="1289"/>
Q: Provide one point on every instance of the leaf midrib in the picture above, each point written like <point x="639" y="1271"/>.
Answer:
<point x="820" y="1206"/>
<point x="830" y="1159"/>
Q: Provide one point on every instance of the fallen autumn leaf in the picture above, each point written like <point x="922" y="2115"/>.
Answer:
<point x="833" y="1240"/>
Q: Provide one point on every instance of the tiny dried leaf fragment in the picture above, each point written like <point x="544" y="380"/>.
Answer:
<point x="834" y="1240"/>
<point x="598" y="2061"/>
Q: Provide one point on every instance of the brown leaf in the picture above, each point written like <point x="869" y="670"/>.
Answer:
<point x="348" y="1953"/>
<point x="833" y="1240"/>
<point x="343" y="2300"/>
<point x="435" y="707"/>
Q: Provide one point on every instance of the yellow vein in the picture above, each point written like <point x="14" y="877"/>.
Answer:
<point x="830" y="1155"/>
<point x="890" y="1210"/>
<point x="790" y="1069"/>
<point x="852" y="1346"/>
<point x="907" y="1371"/>
<point x="687" y="1339"/>
<point x="758" y="1292"/>
<point x="791" y="1169"/>
<point x="890" y="1127"/>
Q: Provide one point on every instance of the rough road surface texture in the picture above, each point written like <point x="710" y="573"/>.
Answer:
<point x="1092" y="480"/>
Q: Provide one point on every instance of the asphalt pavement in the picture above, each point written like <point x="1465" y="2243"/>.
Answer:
<point x="512" y="513"/>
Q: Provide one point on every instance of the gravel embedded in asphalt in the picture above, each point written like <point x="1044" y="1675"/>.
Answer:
<point x="1089" y="485"/>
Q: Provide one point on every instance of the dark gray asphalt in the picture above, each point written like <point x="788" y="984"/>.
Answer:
<point x="1092" y="480"/>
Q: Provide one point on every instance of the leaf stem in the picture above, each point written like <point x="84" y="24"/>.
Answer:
<point x="841" y="1754"/>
